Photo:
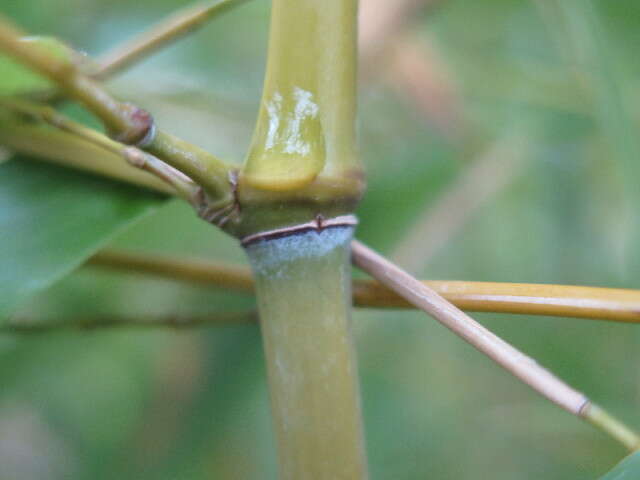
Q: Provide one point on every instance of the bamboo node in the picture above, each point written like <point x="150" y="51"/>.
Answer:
<point x="319" y="223"/>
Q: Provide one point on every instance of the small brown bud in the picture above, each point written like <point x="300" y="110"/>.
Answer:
<point x="141" y="130"/>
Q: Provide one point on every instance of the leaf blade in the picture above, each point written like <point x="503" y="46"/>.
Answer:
<point x="627" y="469"/>
<point x="52" y="219"/>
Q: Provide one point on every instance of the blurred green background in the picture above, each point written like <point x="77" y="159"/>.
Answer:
<point x="534" y="102"/>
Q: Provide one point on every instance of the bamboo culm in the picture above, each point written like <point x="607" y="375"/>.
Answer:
<point x="303" y="285"/>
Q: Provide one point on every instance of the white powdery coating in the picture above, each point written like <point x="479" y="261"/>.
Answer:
<point x="305" y="107"/>
<point x="291" y="138"/>
<point x="273" y="110"/>
<point x="271" y="257"/>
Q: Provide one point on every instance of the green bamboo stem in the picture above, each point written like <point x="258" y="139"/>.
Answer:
<point x="306" y="123"/>
<point x="304" y="297"/>
<point x="196" y="163"/>
<point x="302" y="168"/>
<point x="181" y="184"/>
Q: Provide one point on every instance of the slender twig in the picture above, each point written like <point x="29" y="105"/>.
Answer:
<point x="199" y="271"/>
<point x="514" y="361"/>
<point x="530" y="299"/>
<point x="182" y="185"/>
<point x="39" y="140"/>
<point x="177" y="25"/>
<point x="125" y="123"/>
<point x="620" y="305"/>
<point x="25" y="326"/>
<point x="602" y="420"/>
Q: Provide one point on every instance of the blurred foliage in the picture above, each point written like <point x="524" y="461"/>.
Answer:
<point x="194" y="405"/>
<point x="43" y="220"/>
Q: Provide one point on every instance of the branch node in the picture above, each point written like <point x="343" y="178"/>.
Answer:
<point x="134" y="157"/>
<point x="214" y="212"/>
<point x="142" y="129"/>
<point x="318" y="224"/>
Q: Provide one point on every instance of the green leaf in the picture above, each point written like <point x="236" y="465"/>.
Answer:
<point x="52" y="219"/>
<point x="16" y="78"/>
<point x="627" y="469"/>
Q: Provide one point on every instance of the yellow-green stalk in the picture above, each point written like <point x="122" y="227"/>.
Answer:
<point x="303" y="153"/>
<point x="303" y="170"/>
<point x="303" y="284"/>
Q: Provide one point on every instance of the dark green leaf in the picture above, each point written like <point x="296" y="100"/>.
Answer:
<point x="52" y="219"/>
<point x="627" y="469"/>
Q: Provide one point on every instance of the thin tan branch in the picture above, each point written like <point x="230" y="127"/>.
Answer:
<point x="622" y="305"/>
<point x="25" y="326"/>
<point x="528" y="299"/>
<point x="505" y="355"/>
<point x="176" y="26"/>
<point x="198" y="271"/>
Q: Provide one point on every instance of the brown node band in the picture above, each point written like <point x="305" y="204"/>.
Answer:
<point x="142" y="129"/>
<point x="317" y="224"/>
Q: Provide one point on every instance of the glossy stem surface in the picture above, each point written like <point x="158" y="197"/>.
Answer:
<point x="306" y="123"/>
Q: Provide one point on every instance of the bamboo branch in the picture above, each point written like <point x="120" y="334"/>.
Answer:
<point x="181" y="184"/>
<point x="600" y="419"/>
<point x="171" y="29"/>
<point x="125" y="123"/>
<point x="198" y="271"/>
<point x="24" y="326"/>
<point x="70" y="151"/>
<point x="505" y="355"/>
<point x="521" y="298"/>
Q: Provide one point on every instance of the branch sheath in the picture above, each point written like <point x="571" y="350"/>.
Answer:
<point x="303" y="286"/>
<point x="306" y="123"/>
